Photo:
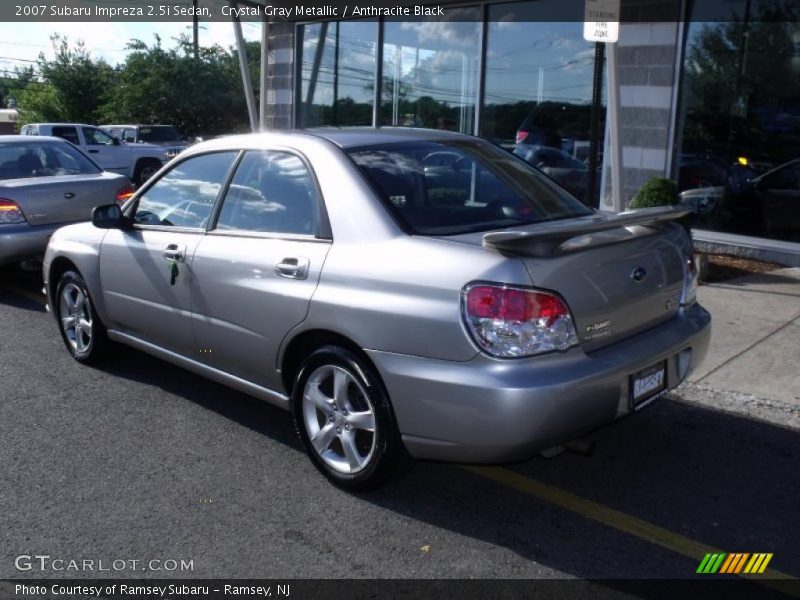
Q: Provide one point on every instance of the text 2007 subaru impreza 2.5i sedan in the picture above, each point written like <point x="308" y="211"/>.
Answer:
<point x="399" y="291"/>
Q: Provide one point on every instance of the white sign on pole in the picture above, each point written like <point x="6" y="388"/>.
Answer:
<point x="601" y="21"/>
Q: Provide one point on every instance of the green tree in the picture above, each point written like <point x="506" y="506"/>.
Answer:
<point x="202" y="95"/>
<point x="75" y="85"/>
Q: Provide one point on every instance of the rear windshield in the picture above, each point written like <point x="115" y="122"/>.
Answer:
<point x="159" y="134"/>
<point x="19" y="160"/>
<point x="449" y="188"/>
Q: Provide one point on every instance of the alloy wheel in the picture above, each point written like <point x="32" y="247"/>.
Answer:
<point x="339" y="419"/>
<point x="76" y="317"/>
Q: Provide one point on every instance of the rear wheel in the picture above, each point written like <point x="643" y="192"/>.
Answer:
<point x="345" y="421"/>
<point x="81" y="329"/>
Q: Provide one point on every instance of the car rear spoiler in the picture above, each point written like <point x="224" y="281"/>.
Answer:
<point x="575" y="234"/>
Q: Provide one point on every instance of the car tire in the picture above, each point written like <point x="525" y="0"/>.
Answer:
<point x="83" y="333"/>
<point x="336" y="398"/>
<point x="144" y="170"/>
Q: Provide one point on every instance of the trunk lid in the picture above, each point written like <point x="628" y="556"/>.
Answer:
<point x="63" y="198"/>
<point x="619" y="275"/>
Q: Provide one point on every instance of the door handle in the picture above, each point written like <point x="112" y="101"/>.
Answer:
<point x="174" y="253"/>
<point x="94" y="151"/>
<point x="293" y="268"/>
<point x="69" y="195"/>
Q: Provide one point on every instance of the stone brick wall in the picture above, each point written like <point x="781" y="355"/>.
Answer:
<point x="647" y="52"/>
<point x="280" y="76"/>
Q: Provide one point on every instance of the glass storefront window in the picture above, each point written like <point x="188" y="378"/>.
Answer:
<point x="337" y="73"/>
<point x="538" y="98"/>
<point x="538" y="82"/>
<point x="739" y="126"/>
<point x="430" y="72"/>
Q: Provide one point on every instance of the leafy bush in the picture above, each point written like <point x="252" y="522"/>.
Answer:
<point x="658" y="191"/>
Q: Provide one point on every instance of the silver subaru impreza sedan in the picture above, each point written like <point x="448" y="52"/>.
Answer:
<point x="401" y="292"/>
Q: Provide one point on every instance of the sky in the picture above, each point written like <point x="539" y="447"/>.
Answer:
<point x="21" y="43"/>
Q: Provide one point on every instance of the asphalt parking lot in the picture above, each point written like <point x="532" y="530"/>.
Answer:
<point x="138" y="459"/>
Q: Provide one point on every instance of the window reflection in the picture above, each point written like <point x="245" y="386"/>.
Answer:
<point x="538" y="99"/>
<point x="337" y="73"/>
<point x="740" y="102"/>
<point x="430" y="71"/>
<point x="185" y="196"/>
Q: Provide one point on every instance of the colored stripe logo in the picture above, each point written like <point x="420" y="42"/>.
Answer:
<point x="735" y="563"/>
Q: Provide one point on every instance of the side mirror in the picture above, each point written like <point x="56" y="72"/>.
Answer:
<point x="115" y="141"/>
<point x="108" y="216"/>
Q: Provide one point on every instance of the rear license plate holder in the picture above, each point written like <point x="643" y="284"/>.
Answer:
<point x="647" y="385"/>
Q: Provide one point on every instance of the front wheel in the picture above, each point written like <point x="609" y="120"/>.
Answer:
<point x="145" y="170"/>
<point x="345" y="421"/>
<point x="81" y="329"/>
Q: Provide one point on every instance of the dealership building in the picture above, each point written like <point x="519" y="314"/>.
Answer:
<point x="708" y="95"/>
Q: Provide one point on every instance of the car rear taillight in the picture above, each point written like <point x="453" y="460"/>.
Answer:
<point x="690" y="278"/>
<point x="123" y="194"/>
<point x="521" y="135"/>
<point x="511" y="322"/>
<point x="10" y="212"/>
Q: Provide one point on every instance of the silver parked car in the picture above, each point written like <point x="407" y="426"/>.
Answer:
<point x="393" y="310"/>
<point x="46" y="183"/>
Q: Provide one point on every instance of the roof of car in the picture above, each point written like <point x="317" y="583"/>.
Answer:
<point x="350" y="137"/>
<point x="62" y="124"/>
<point x="136" y="125"/>
<point x="30" y="139"/>
<point x="344" y="137"/>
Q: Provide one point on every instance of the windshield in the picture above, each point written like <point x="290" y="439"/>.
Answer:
<point x="159" y="134"/>
<point x="448" y="188"/>
<point x="19" y="160"/>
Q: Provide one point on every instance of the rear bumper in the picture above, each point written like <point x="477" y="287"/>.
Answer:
<point x="489" y="410"/>
<point x="24" y="241"/>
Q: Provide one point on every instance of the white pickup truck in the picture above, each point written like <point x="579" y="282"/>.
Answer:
<point x="138" y="162"/>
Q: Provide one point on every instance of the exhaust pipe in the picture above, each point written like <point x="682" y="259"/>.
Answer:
<point x="581" y="447"/>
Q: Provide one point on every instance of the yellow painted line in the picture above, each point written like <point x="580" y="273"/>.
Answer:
<point x="33" y="296"/>
<point x="754" y="564"/>
<point x="624" y="522"/>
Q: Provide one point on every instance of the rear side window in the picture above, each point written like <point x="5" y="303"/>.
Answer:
<point x="42" y="159"/>
<point x="271" y="192"/>
<point x="185" y="195"/>
<point x="68" y="133"/>
<point x="438" y="188"/>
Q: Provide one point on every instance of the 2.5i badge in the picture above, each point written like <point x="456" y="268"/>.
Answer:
<point x="597" y="330"/>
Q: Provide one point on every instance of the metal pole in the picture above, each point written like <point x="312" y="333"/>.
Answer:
<point x="262" y="92"/>
<point x="398" y="54"/>
<point x="617" y="197"/>
<point x="336" y="77"/>
<point x="480" y="90"/>
<point x="245" y="69"/>
<point x="594" y="135"/>
<point x="195" y="30"/>
<point x="377" y="96"/>
<point x="312" y="82"/>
